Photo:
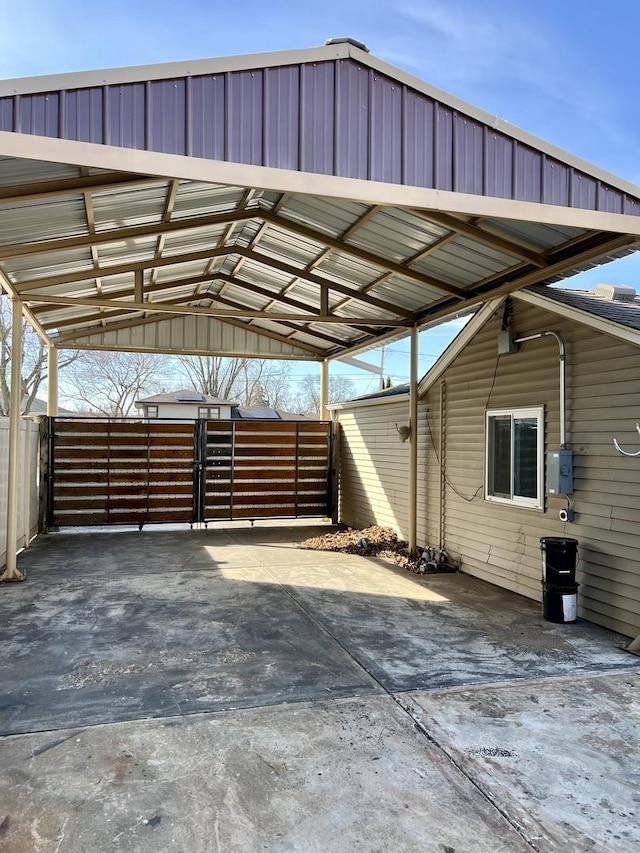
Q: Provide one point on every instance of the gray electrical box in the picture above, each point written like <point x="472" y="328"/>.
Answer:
<point x="560" y="472"/>
<point x="506" y="343"/>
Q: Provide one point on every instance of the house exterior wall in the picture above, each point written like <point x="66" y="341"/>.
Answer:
<point x="374" y="466"/>
<point x="187" y="411"/>
<point x="500" y="543"/>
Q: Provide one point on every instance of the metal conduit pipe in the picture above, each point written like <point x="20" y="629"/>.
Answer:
<point x="561" y="347"/>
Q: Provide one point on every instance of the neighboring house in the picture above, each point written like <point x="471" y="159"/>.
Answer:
<point x="253" y="413"/>
<point x="485" y="423"/>
<point x="185" y="404"/>
<point x="39" y="407"/>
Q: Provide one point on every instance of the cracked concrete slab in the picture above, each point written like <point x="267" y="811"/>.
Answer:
<point x="325" y="777"/>
<point x="442" y="630"/>
<point x="561" y="756"/>
<point x="277" y="679"/>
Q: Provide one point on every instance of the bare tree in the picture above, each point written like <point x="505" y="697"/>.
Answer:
<point x="110" y="382"/>
<point x="213" y="375"/>
<point x="34" y="361"/>
<point x="248" y="381"/>
<point x="308" y="396"/>
<point x="272" y="387"/>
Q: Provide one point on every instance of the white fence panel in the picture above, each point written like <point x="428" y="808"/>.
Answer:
<point x="28" y="483"/>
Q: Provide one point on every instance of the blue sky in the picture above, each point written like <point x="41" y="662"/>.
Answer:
<point x="565" y="70"/>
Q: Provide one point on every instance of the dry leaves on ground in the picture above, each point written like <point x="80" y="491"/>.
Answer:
<point x="373" y="541"/>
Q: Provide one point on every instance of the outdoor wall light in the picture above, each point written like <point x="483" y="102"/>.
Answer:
<point x="404" y="432"/>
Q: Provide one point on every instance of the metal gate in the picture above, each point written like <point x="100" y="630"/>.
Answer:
<point x="132" y="472"/>
<point x="264" y="469"/>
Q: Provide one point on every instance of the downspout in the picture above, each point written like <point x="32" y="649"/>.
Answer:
<point x="562" y="357"/>
<point x="413" y="444"/>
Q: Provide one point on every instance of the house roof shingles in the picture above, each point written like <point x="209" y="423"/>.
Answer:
<point x="623" y="313"/>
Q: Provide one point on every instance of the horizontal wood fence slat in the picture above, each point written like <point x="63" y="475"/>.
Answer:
<point x="123" y="472"/>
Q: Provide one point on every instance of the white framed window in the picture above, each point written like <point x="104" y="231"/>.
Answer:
<point x="209" y="413"/>
<point x="514" y="456"/>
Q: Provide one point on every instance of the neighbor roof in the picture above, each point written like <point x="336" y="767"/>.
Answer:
<point x="183" y="396"/>
<point x="306" y="204"/>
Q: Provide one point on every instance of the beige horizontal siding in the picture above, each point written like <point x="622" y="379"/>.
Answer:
<point x="499" y="542"/>
<point x="374" y="467"/>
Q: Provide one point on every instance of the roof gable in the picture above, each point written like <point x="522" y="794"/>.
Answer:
<point x="308" y="205"/>
<point x="330" y="110"/>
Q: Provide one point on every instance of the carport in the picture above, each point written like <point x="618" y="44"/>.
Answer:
<point x="305" y="205"/>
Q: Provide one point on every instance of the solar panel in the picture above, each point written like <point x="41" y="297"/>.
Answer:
<point x="189" y="397"/>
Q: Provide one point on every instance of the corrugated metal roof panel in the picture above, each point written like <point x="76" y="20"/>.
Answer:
<point x="207" y="136"/>
<point x="17" y="171"/>
<point x="116" y="208"/>
<point x="348" y="270"/>
<point x="532" y="234"/>
<point x="49" y="263"/>
<point x="387" y="131"/>
<point x="140" y="249"/>
<point x="83" y="115"/>
<point x="211" y="336"/>
<point x="198" y="199"/>
<point x="405" y="293"/>
<point x="326" y="215"/>
<point x="31" y="221"/>
<point x="193" y="239"/>
<point x="177" y="271"/>
<point x="259" y="273"/>
<point x="282" y="116"/>
<point x="396" y="234"/>
<point x="279" y="243"/>
<point x="317" y="119"/>
<point x="459" y="263"/>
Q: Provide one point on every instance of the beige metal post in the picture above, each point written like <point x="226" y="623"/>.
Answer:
<point x="52" y="382"/>
<point x="324" y="388"/>
<point x="27" y="474"/>
<point x="11" y="573"/>
<point x="413" y="445"/>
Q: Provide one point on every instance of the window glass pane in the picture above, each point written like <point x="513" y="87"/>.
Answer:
<point x="525" y="457"/>
<point x="500" y="448"/>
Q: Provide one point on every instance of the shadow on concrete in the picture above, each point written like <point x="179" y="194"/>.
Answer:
<point x="121" y="625"/>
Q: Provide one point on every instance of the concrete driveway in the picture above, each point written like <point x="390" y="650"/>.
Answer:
<point x="175" y="690"/>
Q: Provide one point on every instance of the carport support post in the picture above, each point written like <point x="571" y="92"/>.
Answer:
<point x="11" y="573"/>
<point x="413" y="442"/>
<point x="324" y="388"/>
<point x="52" y="382"/>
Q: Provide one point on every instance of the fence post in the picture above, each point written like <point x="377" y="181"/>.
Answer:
<point x="11" y="573"/>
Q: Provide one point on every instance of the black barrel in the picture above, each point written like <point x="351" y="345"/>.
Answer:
<point x="559" y="556"/>
<point x="560" y="603"/>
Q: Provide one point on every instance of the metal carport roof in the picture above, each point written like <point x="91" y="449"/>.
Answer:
<point x="306" y="204"/>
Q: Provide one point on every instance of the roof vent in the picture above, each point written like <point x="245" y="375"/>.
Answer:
<point x="347" y="40"/>
<point x="615" y="292"/>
